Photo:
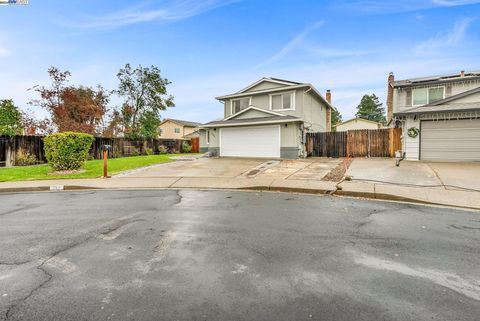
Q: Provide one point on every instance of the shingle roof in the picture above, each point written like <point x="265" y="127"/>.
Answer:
<point x="270" y="119"/>
<point x="428" y="109"/>
<point x="468" y="75"/>
<point x="183" y="122"/>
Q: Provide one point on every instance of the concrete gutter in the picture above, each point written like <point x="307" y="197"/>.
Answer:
<point x="431" y="196"/>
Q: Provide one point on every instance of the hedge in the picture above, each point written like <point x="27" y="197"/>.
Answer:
<point x="67" y="151"/>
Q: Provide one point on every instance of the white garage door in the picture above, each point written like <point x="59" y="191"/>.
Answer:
<point x="450" y="140"/>
<point x="261" y="141"/>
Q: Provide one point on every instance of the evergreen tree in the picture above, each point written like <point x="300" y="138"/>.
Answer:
<point x="10" y="118"/>
<point x="336" y="117"/>
<point x="371" y="108"/>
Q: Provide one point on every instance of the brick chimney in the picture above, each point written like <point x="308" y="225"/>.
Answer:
<point x="391" y="79"/>
<point x="328" y="97"/>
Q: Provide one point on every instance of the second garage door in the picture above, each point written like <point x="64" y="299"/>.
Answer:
<point x="450" y="140"/>
<point x="260" y="141"/>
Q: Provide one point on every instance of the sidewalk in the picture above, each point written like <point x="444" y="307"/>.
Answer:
<point x="438" y="196"/>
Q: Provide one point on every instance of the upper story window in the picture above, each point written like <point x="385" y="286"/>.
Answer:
<point x="284" y="101"/>
<point x="422" y="96"/>
<point x="240" y="104"/>
<point x="177" y="130"/>
<point x="160" y="131"/>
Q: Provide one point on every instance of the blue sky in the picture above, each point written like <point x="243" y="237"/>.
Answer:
<point x="212" y="47"/>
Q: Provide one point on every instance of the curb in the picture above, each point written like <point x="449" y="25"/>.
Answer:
<point x="339" y="192"/>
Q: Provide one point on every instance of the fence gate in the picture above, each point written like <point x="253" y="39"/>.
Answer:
<point x="355" y="143"/>
<point x="195" y="143"/>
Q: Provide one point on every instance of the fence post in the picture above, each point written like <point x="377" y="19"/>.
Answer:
<point x="10" y="152"/>
<point x="390" y="142"/>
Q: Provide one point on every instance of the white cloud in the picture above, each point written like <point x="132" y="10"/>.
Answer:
<point x="450" y="39"/>
<point x="4" y="52"/>
<point x="167" y="11"/>
<point x="385" y="7"/>
<point x="295" y="42"/>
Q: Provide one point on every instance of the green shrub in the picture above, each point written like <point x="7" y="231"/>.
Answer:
<point x="162" y="149"/>
<point x="25" y="159"/>
<point x="67" y="151"/>
<point x="148" y="151"/>
<point x="186" y="148"/>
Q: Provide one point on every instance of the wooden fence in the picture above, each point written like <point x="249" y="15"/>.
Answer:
<point x="11" y="147"/>
<point x="355" y="143"/>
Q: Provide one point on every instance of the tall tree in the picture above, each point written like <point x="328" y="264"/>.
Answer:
<point x="371" y="108"/>
<point x="10" y="118"/>
<point x="34" y="126"/>
<point x="82" y="110"/>
<point x="144" y="90"/>
<point x="149" y="123"/>
<point x="72" y="108"/>
<point x="336" y="117"/>
<point x="115" y="126"/>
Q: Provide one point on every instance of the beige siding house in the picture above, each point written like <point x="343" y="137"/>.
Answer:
<point x="268" y="118"/>
<point x="357" y="123"/>
<point x="177" y="129"/>
<point x="439" y="115"/>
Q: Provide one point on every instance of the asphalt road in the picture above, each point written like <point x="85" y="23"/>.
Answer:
<point x="211" y="255"/>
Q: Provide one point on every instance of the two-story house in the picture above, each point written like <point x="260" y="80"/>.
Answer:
<point x="177" y="129"/>
<point x="439" y="115"/>
<point x="269" y="118"/>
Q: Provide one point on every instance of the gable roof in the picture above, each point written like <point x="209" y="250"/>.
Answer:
<point x="253" y="121"/>
<point x="359" y="118"/>
<point x="185" y="123"/>
<point x="445" y="108"/>
<point x="269" y="79"/>
<point x="251" y="107"/>
<point x="440" y="79"/>
<point x="291" y="86"/>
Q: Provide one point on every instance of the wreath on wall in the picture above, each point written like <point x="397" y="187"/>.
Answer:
<point x="413" y="132"/>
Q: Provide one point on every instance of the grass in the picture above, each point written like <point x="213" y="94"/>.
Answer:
<point x="91" y="169"/>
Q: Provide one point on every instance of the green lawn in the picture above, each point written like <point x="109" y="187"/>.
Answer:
<point x="92" y="168"/>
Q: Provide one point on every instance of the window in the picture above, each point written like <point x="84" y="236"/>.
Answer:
<point x="177" y="130"/>
<point x="208" y="137"/>
<point x="240" y="104"/>
<point x="282" y="101"/>
<point x="160" y="131"/>
<point x="422" y="96"/>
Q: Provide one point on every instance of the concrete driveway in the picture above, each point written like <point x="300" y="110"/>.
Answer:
<point x="441" y="175"/>
<point x="301" y="169"/>
<point x="202" y="167"/>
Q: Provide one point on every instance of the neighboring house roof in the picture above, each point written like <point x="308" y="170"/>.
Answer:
<point x="446" y="105"/>
<point x="252" y="121"/>
<point x="428" y="109"/>
<point x="182" y="122"/>
<point x="192" y="134"/>
<point x="361" y="119"/>
<point x="441" y="79"/>
<point x="288" y="85"/>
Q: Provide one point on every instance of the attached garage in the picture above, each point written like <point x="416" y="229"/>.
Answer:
<point x="450" y="140"/>
<point x="250" y="141"/>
